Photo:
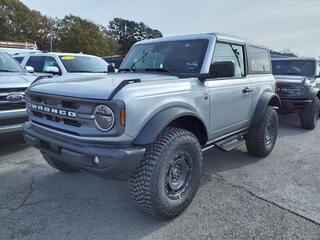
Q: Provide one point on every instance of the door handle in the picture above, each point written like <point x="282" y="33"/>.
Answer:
<point x="247" y="90"/>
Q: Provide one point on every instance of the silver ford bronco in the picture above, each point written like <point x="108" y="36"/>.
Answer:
<point x="172" y="99"/>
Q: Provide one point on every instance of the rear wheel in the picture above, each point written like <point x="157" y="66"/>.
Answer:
<point x="309" y="116"/>
<point x="169" y="175"/>
<point x="261" y="138"/>
<point x="55" y="163"/>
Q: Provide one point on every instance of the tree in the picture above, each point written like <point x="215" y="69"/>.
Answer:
<point x="129" y="32"/>
<point x="74" y="34"/>
<point x="45" y="27"/>
<point x="70" y="34"/>
<point x="17" y="21"/>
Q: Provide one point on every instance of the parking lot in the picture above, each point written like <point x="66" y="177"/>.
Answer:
<point x="241" y="197"/>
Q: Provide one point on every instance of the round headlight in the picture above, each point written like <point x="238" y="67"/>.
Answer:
<point x="103" y="117"/>
<point x="300" y="90"/>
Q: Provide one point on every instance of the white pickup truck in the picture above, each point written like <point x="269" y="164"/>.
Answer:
<point x="63" y="64"/>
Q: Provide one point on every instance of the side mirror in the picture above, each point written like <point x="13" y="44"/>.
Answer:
<point x="111" y="68"/>
<point x="51" y="69"/>
<point x="222" y="69"/>
<point x="29" y="69"/>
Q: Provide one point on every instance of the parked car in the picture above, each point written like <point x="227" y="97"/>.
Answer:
<point x="14" y="80"/>
<point x="63" y="64"/>
<point x="298" y="82"/>
<point x="171" y="99"/>
<point x="115" y="61"/>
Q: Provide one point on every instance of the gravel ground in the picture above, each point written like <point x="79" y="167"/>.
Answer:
<point x="241" y="197"/>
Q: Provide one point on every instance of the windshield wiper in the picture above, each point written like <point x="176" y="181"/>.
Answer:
<point x="291" y="73"/>
<point x="126" y="70"/>
<point x="161" y="70"/>
<point x="86" y="72"/>
<point x="3" y="70"/>
<point x="139" y="59"/>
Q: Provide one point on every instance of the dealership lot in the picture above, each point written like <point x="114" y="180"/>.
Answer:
<point x="241" y="197"/>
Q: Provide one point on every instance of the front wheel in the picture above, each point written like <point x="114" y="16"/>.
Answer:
<point x="309" y="115"/>
<point x="261" y="138"/>
<point x="169" y="174"/>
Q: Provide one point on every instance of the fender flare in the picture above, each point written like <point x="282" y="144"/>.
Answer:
<point x="159" y="121"/>
<point x="264" y="101"/>
<point x="315" y="92"/>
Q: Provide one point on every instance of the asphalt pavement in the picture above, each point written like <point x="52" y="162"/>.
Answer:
<point x="240" y="197"/>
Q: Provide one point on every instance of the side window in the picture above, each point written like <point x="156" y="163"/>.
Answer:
<point x="40" y="62"/>
<point x="19" y="59"/>
<point x="318" y="68"/>
<point x="259" y="61"/>
<point x="229" y="52"/>
<point x="238" y="50"/>
<point x="37" y="62"/>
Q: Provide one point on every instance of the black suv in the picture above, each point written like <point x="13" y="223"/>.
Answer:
<point x="298" y="83"/>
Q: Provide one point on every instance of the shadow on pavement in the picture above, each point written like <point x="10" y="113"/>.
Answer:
<point x="12" y="144"/>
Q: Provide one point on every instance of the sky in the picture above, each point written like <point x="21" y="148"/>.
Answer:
<point x="278" y="24"/>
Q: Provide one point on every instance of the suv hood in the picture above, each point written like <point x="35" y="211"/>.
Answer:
<point x="290" y="79"/>
<point x="96" y="87"/>
<point x="16" y="80"/>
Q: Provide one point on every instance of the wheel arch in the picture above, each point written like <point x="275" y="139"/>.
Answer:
<point x="173" y="117"/>
<point x="267" y="99"/>
<point x="315" y="92"/>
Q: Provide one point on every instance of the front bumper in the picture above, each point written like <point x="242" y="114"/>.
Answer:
<point x="294" y="105"/>
<point x="10" y="129"/>
<point x="11" y="121"/>
<point x="115" y="162"/>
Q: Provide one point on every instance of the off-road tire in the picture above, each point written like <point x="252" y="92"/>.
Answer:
<point x="148" y="185"/>
<point x="256" y="138"/>
<point x="61" y="166"/>
<point x="309" y="115"/>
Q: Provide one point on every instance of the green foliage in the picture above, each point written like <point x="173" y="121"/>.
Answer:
<point x="129" y="32"/>
<point x="45" y="27"/>
<point x="17" y="22"/>
<point x="74" y="34"/>
<point x="70" y="34"/>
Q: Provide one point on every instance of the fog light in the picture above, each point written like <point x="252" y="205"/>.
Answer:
<point x="96" y="160"/>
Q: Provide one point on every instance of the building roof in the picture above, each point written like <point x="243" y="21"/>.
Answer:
<point x="20" y="45"/>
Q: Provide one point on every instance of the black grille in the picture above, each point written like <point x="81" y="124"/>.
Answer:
<point x="55" y="128"/>
<point x="57" y="118"/>
<point x="55" y="102"/>
<point x="12" y="106"/>
<point x="14" y="121"/>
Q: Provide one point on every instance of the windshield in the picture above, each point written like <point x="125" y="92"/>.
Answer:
<point x="84" y="64"/>
<point x="171" y="56"/>
<point x="294" y="67"/>
<point x="8" y="64"/>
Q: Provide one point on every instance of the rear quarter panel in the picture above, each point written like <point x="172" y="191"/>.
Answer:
<point x="261" y="83"/>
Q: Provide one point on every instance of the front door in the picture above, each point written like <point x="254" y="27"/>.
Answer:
<point x="230" y="98"/>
